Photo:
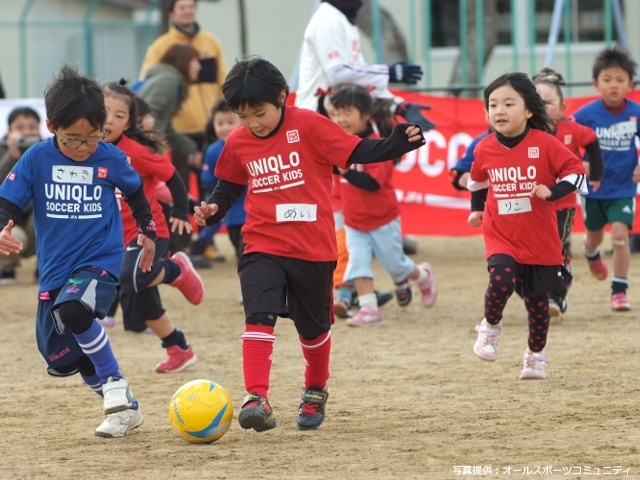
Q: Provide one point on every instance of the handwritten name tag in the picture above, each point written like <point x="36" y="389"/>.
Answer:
<point x="296" y="212"/>
<point x="512" y="206"/>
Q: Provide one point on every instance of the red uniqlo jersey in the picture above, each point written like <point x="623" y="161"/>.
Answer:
<point x="152" y="167"/>
<point x="288" y="203"/>
<point x="514" y="223"/>
<point x="365" y="210"/>
<point x="575" y="137"/>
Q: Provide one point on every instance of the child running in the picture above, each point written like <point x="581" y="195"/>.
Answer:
<point x="615" y="121"/>
<point x="517" y="174"/>
<point x="72" y="179"/>
<point x="373" y="231"/>
<point x="575" y="137"/>
<point x="139" y="294"/>
<point x="286" y="156"/>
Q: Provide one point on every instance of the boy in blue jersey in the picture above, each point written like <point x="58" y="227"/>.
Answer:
<point x="614" y="119"/>
<point x="72" y="179"/>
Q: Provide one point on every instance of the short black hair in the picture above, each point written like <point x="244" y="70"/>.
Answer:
<point x="614" y="57"/>
<point x="172" y="3"/>
<point x="72" y="97"/>
<point x="22" y="111"/>
<point x="252" y="82"/>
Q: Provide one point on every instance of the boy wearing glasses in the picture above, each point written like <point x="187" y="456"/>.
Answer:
<point x="71" y="179"/>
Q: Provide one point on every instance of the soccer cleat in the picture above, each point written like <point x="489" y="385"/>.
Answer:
<point x="367" y="317"/>
<point x="620" y="302"/>
<point x="382" y="298"/>
<point x="107" y="322"/>
<point x="119" y="424"/>
<point x="177" y="359"/>
<point x="256" y="413"/>
<point x="341" y="307"/>
<point x="403" y="293"/>
<point x="7" y="277"/>
<point x="311" y="410"/>
<point x="427" y="287"/>
<point x="188" y="282"/>
<point x="486" y="346"/>
<point x="534" y="364"/>
<point x="117" y="396"/>
<point x="598" y="268"/>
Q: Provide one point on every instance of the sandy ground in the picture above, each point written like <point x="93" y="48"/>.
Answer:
<point x="409" y="400"/>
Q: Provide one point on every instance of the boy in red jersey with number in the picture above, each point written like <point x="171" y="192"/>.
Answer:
<point x="517" y="174"/>
<point x="286" y="156"/>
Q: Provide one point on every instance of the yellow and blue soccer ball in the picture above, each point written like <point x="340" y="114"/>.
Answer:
<point x="201" y="411"/>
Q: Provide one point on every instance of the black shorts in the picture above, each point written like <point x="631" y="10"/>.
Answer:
<point x="288" y="287"/>
<point x="534" y="280"/>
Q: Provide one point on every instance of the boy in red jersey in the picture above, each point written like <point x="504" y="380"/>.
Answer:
<point x="517" y="174"/>
<point x="286" y="156"/>
<point x="575" y="137"/>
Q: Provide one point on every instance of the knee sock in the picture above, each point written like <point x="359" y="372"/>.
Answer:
<point x="502" y="282"/>
<point x="257" y="356"/>
<point x="538" y="320"/>
<point x="175" y="338"/>
<point x="316" y="354"/>
<point x="95" y="344"/>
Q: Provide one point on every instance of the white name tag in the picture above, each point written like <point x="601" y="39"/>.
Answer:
<point x="512" y="206"/>
<point x="296" y="212"/>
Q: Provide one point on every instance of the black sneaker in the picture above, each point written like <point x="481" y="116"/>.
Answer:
<point x="403" y="293"/>
<point x="382" y="298"/>
<point x="256" y="413"/>
<point x="311" y="410"/>
<point x="7" y="277"/>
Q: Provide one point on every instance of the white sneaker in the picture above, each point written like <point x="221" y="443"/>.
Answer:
<point x="117" y="395"/>
<point x="107" y="322"/>
<point x="120" y="423"/>
<point x="486" y="346"/>
<point x="534" y="364"/>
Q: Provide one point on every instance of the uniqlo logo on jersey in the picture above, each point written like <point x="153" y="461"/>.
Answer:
<point x="11" y="176"/>
<point x="534" y="152"/>
<point x="102" y="172"/>
<point x="292" y="136"/>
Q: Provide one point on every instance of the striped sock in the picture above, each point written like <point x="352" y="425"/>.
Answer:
<point x="257" y="352"/>
<point x="316" y="354"/>
<point x="95" y="344"/>
<point x="93" y="382"/>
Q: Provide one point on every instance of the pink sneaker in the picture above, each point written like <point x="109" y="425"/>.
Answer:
<point x="486" y="346"/>
<point x="367" y="317"/>
<point x="620" y="303"/>
<point x="177" y="359"/>
<point x="188" y="282"/>
<point x="534" y="364"/>
<point x="428" y="286"/>
<point x="598" y="268"/>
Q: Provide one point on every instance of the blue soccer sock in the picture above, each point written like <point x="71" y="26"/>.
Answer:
<point x="93" y="382"/>
<point x="95" y="344"/>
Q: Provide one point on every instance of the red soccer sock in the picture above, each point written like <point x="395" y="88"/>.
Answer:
<point x="316" y="358"/>
<point x="257" y="351"/>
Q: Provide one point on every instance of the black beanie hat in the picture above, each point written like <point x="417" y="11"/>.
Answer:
<point x="348" y="7"/>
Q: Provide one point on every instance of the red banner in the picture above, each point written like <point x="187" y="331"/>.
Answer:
<point x="430" y="204"/>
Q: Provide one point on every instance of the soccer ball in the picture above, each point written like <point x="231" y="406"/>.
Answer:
<point x="201" y="411"/>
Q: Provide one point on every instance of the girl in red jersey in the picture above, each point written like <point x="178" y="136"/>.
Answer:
<point x="139" y="294"/>
<point x="518" y="172"/>
<point x="286" y="156"/>
<point x="373" y="231"/>
<point x="575" y="137"/>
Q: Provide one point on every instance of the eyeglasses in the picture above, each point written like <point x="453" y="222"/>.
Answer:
<point x="77" y="143"/>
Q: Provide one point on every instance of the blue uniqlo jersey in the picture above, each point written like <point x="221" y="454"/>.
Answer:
<point x="616" y="136"/>
<point x="76" y="215"/>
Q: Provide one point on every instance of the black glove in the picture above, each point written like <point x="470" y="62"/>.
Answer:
<point x="403" y="72"/>
<point x="411" y="112"/>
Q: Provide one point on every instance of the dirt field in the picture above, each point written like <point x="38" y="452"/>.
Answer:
<point x="409" y="400"/>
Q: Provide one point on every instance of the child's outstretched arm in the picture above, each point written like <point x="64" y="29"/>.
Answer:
<point x="9" y="215"/>
<point x="220" y="201"/>
<point x="404" y="138"/>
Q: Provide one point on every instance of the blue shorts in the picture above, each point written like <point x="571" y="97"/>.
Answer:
<point x="95" y="289"/>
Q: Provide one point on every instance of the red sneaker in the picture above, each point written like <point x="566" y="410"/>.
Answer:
<point x="189" y="282"/>
<point x="177" y="359"/>
<point x="598" y="268"/>
<point x="620" y="302"/>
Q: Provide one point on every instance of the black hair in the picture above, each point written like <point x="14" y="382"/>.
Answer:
<point x="523" y="85"/>
<point x="24" y="112"/>
<point x="549" y="76"/>
<point x="124" y="93"/>
<point x="614" y="57"/>
<point x="72" y="97"/>
<point x="220" y="105"/>
<point x="172" y="4"/>
<point x="252" y="82"/>
<point x="346" y="95"/>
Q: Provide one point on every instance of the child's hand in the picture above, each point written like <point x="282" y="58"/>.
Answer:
<point x="8" y="243"/>
<point x="204" y="211"/>
<point x="475" y="219"/>
<point x="636" y="174"/>
<point x="148" y="252"/>
<point x="540" y="191"/>
<point x="180" y="226"/>
<point x="462" y="181"/>
<point x="586" y="168"/>
<point x="596" y="185"/>
<point x="415" y="134"/>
